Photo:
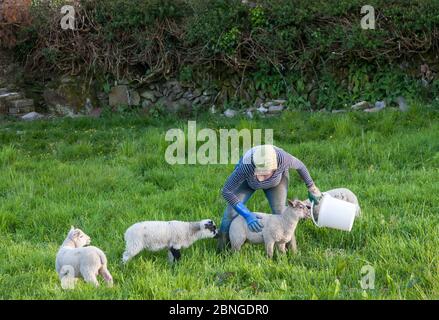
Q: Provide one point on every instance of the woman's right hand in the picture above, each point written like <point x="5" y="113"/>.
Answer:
<point x="314" y="194"/>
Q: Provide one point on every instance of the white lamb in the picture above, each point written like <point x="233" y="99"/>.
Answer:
<point x="74" y="260"/>
<point x="278" y="229"/>
<point x="171" y="235"/>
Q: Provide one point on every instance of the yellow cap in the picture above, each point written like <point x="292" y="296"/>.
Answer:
<point x="264" y="159"/>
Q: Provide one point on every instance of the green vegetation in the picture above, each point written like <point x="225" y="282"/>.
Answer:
<point x="297" y="50"/>
<point x="103" y="175"/>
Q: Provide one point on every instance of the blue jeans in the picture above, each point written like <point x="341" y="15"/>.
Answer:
<point x="276" y="196"/>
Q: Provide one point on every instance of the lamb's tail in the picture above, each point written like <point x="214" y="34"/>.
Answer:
<point x="66" y="270"/>
<point x="103" y="270"/>
<point x="102" y="257"/>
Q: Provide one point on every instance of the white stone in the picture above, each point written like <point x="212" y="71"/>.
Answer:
<point x="32" y="116"/>
<point x="229" y="113"/>
<point x="361" y="105"/>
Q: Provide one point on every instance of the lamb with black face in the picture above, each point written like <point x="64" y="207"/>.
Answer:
<point x="210" y="225"/>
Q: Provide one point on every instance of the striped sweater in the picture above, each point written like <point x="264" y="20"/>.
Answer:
<point x="244" y="171"/>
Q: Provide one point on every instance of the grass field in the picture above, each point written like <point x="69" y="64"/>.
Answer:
<point x="103" y="175"/>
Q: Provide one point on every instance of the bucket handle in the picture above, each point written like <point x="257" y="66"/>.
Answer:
<point x="312" y="212"/>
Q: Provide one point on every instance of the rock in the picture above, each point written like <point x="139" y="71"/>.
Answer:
<point x="66" y="79"/>
<point x="175" y="106"/>
<point x="96" y="112"/>
<point x="424" y="83"/>
<point x="268" y="104"/>
<point x="339" y="111"/>
<point x="3" y="91"/>
<point x="258" y="102"/>
<point x="88" y="106"/>
<point x="202" y="100"/>
<point x="158" y="94"/>
<point x="149" y="95"/>
<point x="62" y="110"/>
<point x="197" y="93"/>
<point x="229" y="113"/>
<point x="69" y="97"/>
<point x="313" y="97"/>
<point x="123" y="82"/>
<point x="182" y="104"/>
<point x="134" y="99"/>
<point x="379" y="105"/>
<point x="10" y="96"/>
<point x="188" y="95"/>
<point x="32" y="116"/>
<point x="275" y="109"/>
<point x="174" y="86"/>
<point x="249" y="114"/>
<point x="210" y="92"/>
<point x="280" y="101"/>
<point x="119" y="95"/>
<point x="403" y="106"/>
<point x="102" y="98"/>
<point x="21" y="106"/>
<point x="146" y="104"/>
<point x="213" y="109"/>
<point x="361" y="105"/>
<point x="179" y="95"/>
<point x="262" y="110"/>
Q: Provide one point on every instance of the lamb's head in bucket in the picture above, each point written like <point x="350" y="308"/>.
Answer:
<point x="300" y="208"/>
<point x="79" y="237"/>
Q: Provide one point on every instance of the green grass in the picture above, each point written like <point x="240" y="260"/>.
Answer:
<point x="104" y="175"/>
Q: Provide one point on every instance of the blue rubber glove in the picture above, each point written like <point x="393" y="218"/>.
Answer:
<point x="252" y="219"/>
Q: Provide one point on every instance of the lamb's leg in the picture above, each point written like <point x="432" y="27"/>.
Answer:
<point x="174" y="255"/>
<point x="237" y="240"/>
<point x="281" y="247"/>
<point x="269" y="248"/>
<point x="90" y="277"/>
<point x="103" y="271"/>
<point x="292" y="245"/>
<point x="131" y="251"/>
<point x="236" y="246"/>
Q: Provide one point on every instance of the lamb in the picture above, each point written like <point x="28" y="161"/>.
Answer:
<point x="278" y="229"/>
<point x="74" y="260"/>
<point x="171" y="235"/>
<point x="342" y="194"/>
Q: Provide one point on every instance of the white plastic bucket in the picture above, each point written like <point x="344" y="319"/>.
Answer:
<point x="335" y="213"/>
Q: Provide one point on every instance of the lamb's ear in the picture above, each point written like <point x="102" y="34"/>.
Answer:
<point x="72" y="229"/>
<point x="293" y="203"/>
<point x="196" y="226"/>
